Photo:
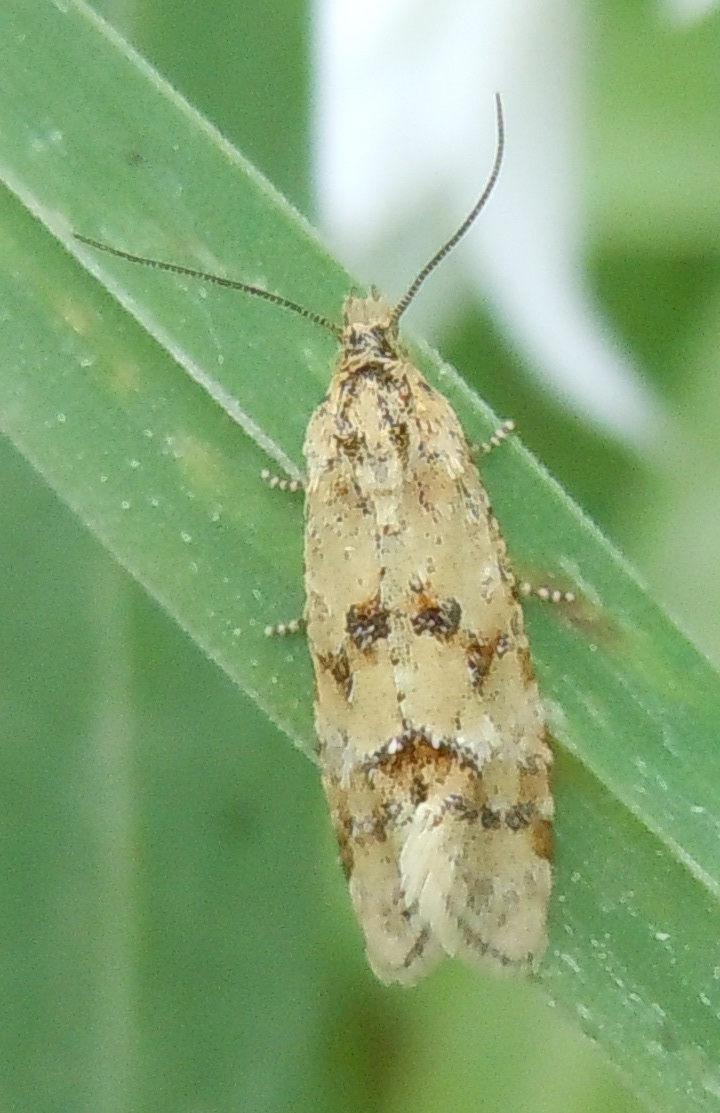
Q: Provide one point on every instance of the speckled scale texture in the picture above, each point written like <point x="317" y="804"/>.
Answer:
<point x="432" y="737"/>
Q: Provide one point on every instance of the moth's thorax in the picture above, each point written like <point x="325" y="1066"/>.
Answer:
<point x="370" y="335"/>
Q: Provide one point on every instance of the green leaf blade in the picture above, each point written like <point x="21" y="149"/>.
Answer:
<point x="151" y="403"/>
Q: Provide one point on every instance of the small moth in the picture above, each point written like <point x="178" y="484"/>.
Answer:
<point x="432" y="737"/>
<point x="433" y="741"/>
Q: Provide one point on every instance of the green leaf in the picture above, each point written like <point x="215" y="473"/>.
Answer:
<point x="150" y="403"/>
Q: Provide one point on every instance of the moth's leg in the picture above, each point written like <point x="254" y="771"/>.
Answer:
<point x="547" y="594"/>
<point x="283" y="629"/>
<point x="277" y="482"/>
<point x="501" y="433"/>
<point x="540" y="591"/>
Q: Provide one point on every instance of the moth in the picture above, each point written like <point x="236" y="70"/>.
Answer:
<point x="432" y="737"/>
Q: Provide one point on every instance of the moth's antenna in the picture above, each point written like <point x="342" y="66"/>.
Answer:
<point x="480" y="204"/>
<point x="229" y="283"/>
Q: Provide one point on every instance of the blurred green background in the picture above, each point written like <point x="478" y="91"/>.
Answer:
<point x="177" y="932"/>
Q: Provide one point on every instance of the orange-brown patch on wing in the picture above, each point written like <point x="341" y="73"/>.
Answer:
<point x="542" y="839"/>
<point x="413" y="768"/>
<point x="527" y="672"/>
<point x="534" y="792"/>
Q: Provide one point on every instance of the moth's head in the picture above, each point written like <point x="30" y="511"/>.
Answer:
<point x="370" y="329"/>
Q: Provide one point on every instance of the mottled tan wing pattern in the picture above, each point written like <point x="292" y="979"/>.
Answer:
<point x="432" y="736"/>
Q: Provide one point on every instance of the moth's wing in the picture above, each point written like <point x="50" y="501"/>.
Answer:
<point x="400" y="944"/>
<point x="371" y="833"/>
<point x="480" y="876"/>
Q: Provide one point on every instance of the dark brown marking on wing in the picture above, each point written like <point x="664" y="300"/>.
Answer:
<point x="367" y="622"/>
<point x="356" y="833"/>
<point x="490" y="818"/>
<point x="418" y="948"/>
<point x="344" y="492"/>
<point x="439" y="618"/>
<point x="400" y="438"/>
<point x="338" y="665"/>
<point x="351" y="445"/>
<point x="476" y="943"/>
<point x="520" y="817"/>
<point x="480" y="654"/>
